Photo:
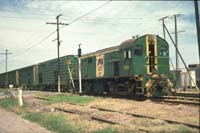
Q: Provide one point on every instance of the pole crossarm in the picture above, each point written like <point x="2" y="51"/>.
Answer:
<point x="56" y="23"/>
<point x="163" y="18"/>
<point x="163" y="22"/>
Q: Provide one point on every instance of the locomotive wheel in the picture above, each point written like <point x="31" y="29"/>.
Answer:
<point x="87" y="87"/>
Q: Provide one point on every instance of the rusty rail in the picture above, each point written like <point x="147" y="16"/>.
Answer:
<point x="109" y="121"/>
<point x="175" y="101"/>
<point x="150" y="117"/>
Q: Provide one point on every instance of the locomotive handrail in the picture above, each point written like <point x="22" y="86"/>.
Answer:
<point x="155" y="56"/>
<point x="156" y="65"/>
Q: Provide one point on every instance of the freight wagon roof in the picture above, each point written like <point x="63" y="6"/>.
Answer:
<point x="123" y="45"/>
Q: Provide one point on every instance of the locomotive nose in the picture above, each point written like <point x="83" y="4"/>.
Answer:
<point x="160" y="89"/>
<point x="158" y="85"/>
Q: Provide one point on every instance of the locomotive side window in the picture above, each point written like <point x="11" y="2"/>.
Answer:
<point x="89" y="60"/>
<point x="127" y="54"/>
<point x="40" y="78"/>
<point x="138" y="50"/>
<point x="163" y="51"/>
<point x="56" y="76"/>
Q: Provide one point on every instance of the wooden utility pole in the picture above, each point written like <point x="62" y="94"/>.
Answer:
<point x="58" y="43"/>
<point x="197" y="24"/>
<point x="6" y="54"/>
<point x="163" y="23"/>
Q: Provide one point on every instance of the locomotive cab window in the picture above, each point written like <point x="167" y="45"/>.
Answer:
<point x="138" y="50"/>
<point x="127" y="54"/>
<point x="163" y="51"/>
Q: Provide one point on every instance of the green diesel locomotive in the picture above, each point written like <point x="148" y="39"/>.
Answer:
<point x="137" y="66"/>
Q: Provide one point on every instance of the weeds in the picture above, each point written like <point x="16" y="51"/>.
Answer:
<point x="70" y="98"/>
<point x="107" y="130"/>
<point x="12" y="105"/>
<point x="53" y="122"/>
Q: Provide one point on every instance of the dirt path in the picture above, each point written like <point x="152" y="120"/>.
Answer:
<point x="12" y="123"/>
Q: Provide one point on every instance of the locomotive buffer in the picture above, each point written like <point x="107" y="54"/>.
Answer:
<point x="58" y="42"/>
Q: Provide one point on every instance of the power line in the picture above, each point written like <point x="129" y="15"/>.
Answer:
<point x="34" y="45"/>
<point x="90" y="12"/>
<point x="46" y="37"/>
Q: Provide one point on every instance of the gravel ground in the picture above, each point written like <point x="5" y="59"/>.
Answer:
<point x="12" y="123"/>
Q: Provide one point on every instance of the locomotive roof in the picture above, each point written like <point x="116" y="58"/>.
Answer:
<point x="124" y="44"/>
<point x="127" y="43"/>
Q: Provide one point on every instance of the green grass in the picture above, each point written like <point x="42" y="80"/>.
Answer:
<point x="53" y="122"/>
<point x="5" y="91"/>
<point x="70" y="98"/>
<point x="12" y="105"/>
<point x="107" y="130"/>
<point x="8" y="103"/>
<point x="184" y="129"/>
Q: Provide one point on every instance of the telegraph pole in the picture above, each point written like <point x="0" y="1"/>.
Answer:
<point x="197" y="24"/>
<point x="79" y="68"/>
<point x="163" y="23"/>
<point x="6" y="54"/>
<point x="58" y="43"/>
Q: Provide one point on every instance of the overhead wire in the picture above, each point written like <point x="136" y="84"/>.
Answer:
<point x="90" y="12"/>
<point x="50" y="34"/>
<point x="34" y="45"/>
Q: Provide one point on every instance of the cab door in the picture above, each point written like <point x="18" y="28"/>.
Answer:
<point x="151" y="53"/>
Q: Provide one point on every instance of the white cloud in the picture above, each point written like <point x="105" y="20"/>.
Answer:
<point x="108" y="26"/>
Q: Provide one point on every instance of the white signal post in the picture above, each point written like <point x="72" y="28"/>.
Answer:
<point x="79" y="69"/>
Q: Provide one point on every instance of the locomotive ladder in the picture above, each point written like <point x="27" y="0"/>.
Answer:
<point x="139" y="87"/>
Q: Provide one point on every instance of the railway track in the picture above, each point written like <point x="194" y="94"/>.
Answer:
<point x="177" y="100"/>
<point x="188" y="99"/>
<point x="97" y="118"/>
<point x="181" y="98"/>
<point x="150" y="117"/>
<point x="67" y="110"/>
<point x="194" y="101"/>
<point x="194" y="95"/>
<point x="165" y="99"/>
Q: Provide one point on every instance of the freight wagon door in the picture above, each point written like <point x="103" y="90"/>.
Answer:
<point x="116" y="68"/>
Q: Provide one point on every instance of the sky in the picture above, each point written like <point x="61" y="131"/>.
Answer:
<point x="24" y="31"/>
